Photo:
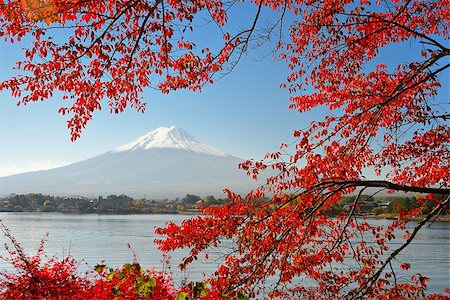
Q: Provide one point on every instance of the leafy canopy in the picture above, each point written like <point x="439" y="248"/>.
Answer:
<point x="383" y="115"/>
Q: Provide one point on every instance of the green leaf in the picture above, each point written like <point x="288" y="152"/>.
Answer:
<point x="204" y="293"/>
<point x="182" y="296"/>
<point x="145" y="287"/>
<point x="111" y="275"/>
<point x="121" y="275"/>
<point x="140" y="281"/>
<point x="241" y="296"/>
<point x="152" y="282"/>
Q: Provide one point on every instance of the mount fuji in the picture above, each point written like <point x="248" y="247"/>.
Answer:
<point x="167" y="162"/>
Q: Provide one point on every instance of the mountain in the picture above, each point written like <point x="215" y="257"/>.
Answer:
<point x="165" y="163"/>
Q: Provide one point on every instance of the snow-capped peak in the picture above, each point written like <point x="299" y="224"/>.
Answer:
<point x="169" y="137"/>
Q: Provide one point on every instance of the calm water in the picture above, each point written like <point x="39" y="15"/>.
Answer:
<point x="94" y="238"/>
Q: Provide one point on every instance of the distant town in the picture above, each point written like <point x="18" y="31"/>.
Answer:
<point x="380" y="206"/>
<point x="112" y="204"/>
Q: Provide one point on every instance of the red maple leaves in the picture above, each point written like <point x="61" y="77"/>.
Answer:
<point x="109" y="50"/>
<point x="380" y="114"/>
<point x="378" y="118"/>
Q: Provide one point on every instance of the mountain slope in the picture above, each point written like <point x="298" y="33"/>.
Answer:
<point x="166" y="162"/>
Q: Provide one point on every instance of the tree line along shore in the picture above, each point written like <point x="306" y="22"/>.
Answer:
<point x="382" y="207"/>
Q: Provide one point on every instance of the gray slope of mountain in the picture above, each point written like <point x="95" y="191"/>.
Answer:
<point x="163" y="171"/>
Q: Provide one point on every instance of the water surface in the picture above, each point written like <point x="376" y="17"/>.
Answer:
<point x="94" y="238"/>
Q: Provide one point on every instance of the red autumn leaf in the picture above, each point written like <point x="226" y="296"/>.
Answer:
<point x="405" y="266"/>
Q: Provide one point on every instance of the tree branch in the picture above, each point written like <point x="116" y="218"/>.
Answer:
<point x="388" y="185"/>
<point x="367" y="286"/>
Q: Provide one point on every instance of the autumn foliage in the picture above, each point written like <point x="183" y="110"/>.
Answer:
<point x="41" y="277"/>
<point x="38" y="277"/>
<point x="384" y="115"/>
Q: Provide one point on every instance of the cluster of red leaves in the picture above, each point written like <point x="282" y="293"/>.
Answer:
<point x="279" y="239"/>
<point x="40" y="277"/>
<point x="388" y="116"/>
<point x="385" y="117"/>
<point x="131" y="282"/>
<point x="114" y="50"/>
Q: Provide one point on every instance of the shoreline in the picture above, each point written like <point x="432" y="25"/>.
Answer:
<point x="438" y="218"/>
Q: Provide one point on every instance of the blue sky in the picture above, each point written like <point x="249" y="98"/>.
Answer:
<point x="245" y="114"/>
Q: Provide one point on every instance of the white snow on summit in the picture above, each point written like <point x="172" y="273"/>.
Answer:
<point x="169" y="137"/>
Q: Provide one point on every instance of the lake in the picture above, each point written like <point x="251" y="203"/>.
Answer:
<point x="94" y="238"/>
